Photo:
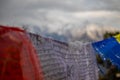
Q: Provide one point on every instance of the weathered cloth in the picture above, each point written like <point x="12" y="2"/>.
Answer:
<point x="65" y="61"/>
<point x="18" y="60"/>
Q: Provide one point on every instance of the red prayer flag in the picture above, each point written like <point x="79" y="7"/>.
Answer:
<point x="18" y="59"/>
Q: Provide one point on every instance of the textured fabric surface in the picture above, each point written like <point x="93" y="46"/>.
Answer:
<point x="65" y="61"/>
<point x="109" y="49"/>
<point x="18" y="60"/>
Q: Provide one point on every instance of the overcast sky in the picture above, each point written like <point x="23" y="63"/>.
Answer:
<point x="55" y="14"/>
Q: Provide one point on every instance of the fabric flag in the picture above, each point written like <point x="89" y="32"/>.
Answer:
<point x="109" y="49"/>
<point x="18" y="59"/>
<point x="65" y="61"/>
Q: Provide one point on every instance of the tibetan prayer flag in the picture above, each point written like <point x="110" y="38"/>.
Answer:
<point x="109" y="49"/>
<point x="18" y="60"/>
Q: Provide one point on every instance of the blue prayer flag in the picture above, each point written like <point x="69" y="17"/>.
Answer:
<point x="109" y="49"/>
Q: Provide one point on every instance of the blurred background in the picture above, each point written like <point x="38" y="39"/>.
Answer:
<point x="65" y="20"/>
